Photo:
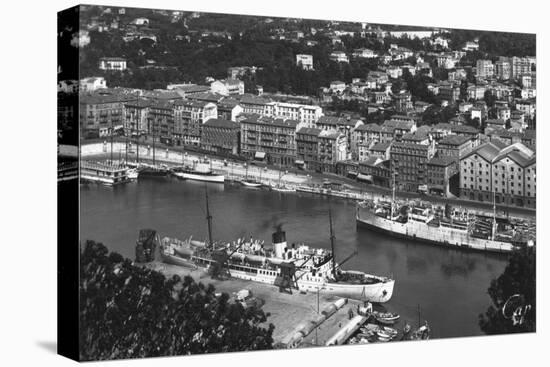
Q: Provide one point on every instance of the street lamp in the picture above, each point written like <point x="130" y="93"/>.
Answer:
<point x="318" y="291"/>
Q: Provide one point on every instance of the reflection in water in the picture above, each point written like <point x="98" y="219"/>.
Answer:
<point x="462" y="267"/>
<point x="449" y="285"/>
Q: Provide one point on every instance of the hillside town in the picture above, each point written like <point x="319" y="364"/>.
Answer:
<point x="437" y="117"/>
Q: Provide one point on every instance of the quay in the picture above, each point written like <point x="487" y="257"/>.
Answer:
<point x="289" y="313"/>
<point x="298" y="180"/>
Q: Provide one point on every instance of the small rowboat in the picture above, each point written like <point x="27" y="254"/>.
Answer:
<point x="387" y="318"/>
<point x="384" y="338"/>
<point x="392" y="332"/>
<point x="251" y="183"/>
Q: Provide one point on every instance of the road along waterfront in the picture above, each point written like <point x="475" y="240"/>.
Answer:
<point x="273" y="175"/>
<point x="450" y="286"/>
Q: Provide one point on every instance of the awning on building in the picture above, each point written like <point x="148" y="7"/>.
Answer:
<point x="352" y="173"/>
<point x="259" y="156"/>
<point x="366" y="178"/>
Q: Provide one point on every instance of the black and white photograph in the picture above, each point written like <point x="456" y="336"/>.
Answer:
<point x="239" y="185"/>
<point x="249" y="183"/>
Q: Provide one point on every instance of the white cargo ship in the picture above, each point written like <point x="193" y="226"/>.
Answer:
<point x="421" y="224"/>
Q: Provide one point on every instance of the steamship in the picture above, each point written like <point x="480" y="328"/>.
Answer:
<point x="422" y="223"/>
<point x="298" y="267"/>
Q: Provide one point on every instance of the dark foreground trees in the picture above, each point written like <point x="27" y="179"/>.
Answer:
<point x="130" y="312"/>
<point x="518" y="278"/>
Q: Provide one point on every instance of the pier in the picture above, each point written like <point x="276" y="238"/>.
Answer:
<point x="292" y="314"/>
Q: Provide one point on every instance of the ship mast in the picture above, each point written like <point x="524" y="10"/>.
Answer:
<point x="393" y="195"/>
<point x="138" y="120"/>
<point x="332" y="243"/>
<point x="154" y="143"/>
<point x="208" y="217"/>
<point x="494" y="229"/>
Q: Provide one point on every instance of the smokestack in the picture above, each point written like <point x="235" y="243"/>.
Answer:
<point x="279" y="241"/>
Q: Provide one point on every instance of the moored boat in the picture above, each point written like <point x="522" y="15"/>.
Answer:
<point x="282" y="188"/>
<point x="296" y="267"/>
<point x="199" y="172"/>
<point x="251" y="183"/>
<point x="153" y="171"/>
<point x="133" y="174"/>
<point x="105" y="173"/>
<point x="386" y="318"/>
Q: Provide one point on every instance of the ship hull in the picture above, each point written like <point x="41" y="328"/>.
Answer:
<point x="152" y="173"/>
<point x="199" y="177"/>
<point x="379" y="292"/>
<point x="106" y="181"/>
<point x="421" y="232"/>
<point x="176" y="260"/>
<point x="251" y="184"/>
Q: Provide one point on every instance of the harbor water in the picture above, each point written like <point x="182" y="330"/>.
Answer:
<point x="446" y="287"/>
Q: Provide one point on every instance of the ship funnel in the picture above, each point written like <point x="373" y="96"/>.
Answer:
<point x="279" y="242"/>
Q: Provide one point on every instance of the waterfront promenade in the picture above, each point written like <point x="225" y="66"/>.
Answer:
<point x="270" y="175"/>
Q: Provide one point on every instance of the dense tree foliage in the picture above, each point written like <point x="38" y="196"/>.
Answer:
<point x="518" y="278"/>
<point x="435" y="114"/>
<point x="129" y="312"/>
<point x="494" y="44"/>
<point x="172" y="59"/>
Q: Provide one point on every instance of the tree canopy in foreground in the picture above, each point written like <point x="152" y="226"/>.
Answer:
<point x="128" y="311"/>
<point x="518" y="278"/>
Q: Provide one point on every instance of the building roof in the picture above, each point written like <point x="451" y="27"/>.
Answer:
<point x="163" y="104"/>
<point x="228" y="103"/>
<point x="112" y="59"/>
<point x="222" y="123"/>
<point x="487" y="151"/>
<point x="266" y="120"/>
<point x="380" y="147"/>
<point x="207" y="97"/>
<point x="193" y="103"/>
<point x="309" y="131"/>
<point x="496" y="122"/>
<point x="141" y="103"/>
<point x="455" y="140"/>
<point x="329" y="134"/>
<point x="441" y="161"/>
<point x="192" y="88"/>
<point x="336" y="121"/>
<point x="405" y="144"/>
<point x="104" y="98"/>
<point x="414" y="137"/>
<point x="251" y="99"/>
<point x="371" y="161"/>
<point x="464" y="129"/>
<point x="398" y="124"/>
<point x="369" y="127"/>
